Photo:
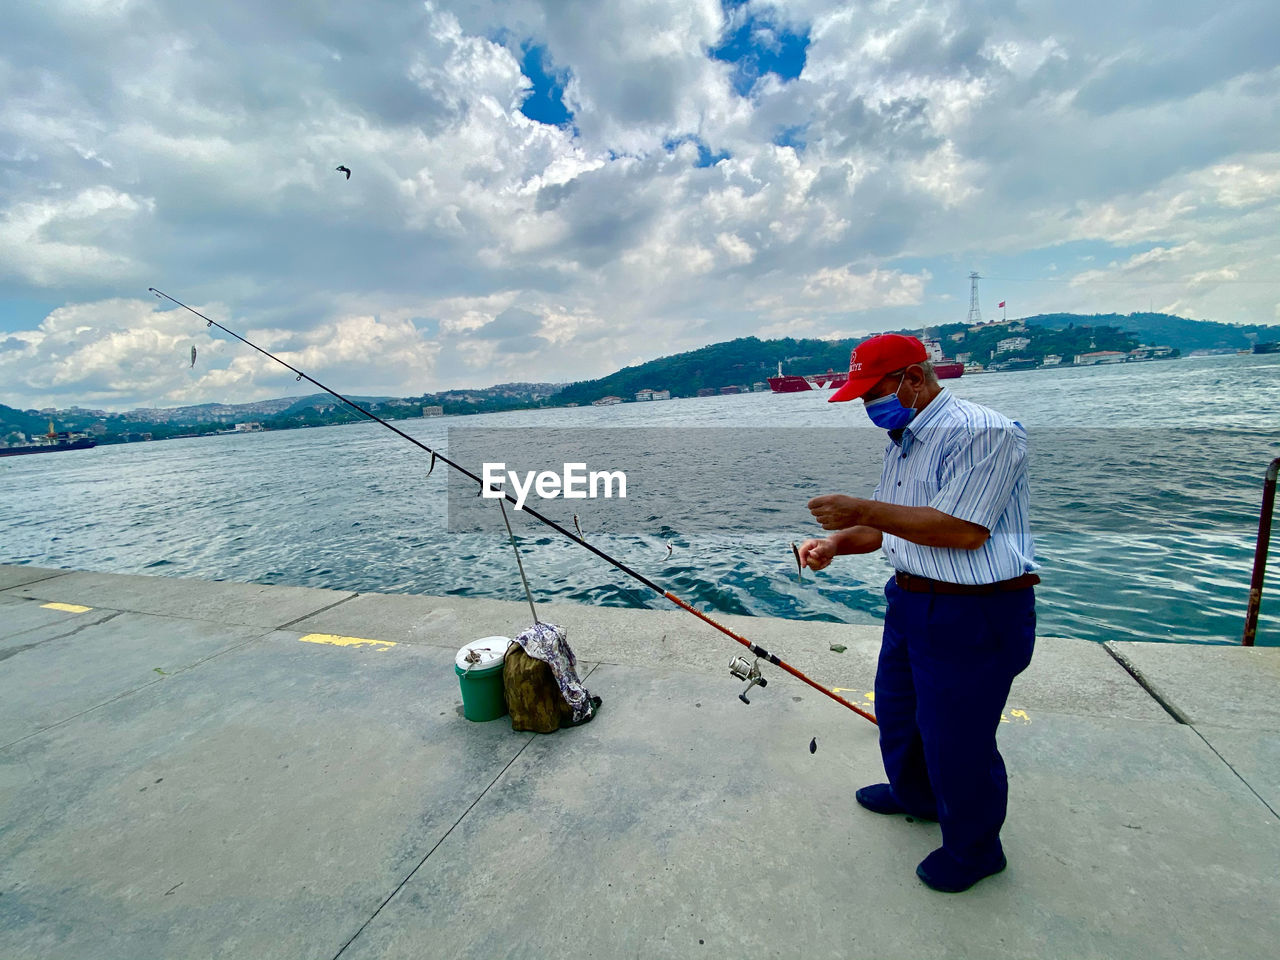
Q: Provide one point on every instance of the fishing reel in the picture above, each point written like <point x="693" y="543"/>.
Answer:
<point x="749" y="672"/>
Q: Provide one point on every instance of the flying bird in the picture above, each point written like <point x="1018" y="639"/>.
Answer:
<point x="345" y="170"/>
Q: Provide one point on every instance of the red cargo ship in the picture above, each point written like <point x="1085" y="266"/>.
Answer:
<point x="944" y="367"/>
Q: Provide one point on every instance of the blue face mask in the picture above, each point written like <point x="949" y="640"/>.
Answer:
<point x="888" y="413"/>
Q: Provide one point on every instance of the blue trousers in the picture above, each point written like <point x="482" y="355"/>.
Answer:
<point x="946" y="665"/>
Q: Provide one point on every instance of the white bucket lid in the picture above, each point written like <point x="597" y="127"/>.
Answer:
<point x="490" y="650"/>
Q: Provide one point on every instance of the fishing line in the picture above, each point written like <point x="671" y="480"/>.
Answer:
<point x="519" y="563"/>
<point x="618" y="564"/>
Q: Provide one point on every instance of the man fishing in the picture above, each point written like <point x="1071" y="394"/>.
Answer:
<point x="951" y="515"/>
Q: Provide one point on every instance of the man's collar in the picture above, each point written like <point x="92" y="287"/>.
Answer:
<point x="905" y="436"/>
<point x="929" y="413"/>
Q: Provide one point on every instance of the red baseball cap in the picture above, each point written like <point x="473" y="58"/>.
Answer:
<point x="872" y="359"/>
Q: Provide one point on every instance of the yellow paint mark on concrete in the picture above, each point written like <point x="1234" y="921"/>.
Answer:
<point x="868" y="696"/>
<point x="66" y="607"/>
<point x="337" y="641"/>
<point x="1019" y="715"/>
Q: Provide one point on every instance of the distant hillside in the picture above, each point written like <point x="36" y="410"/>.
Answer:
<point x="984" y="344"/>
<point x="1164" y="328"/>
<point x="747" y="360"/>
<point x="207" y="412"/>
<point x="738" y="362"/>
<point x="21" y="421"/>
<point x="319" y="401"/>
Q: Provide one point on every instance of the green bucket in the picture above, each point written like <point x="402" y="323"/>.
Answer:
<point x="483" y="697"/>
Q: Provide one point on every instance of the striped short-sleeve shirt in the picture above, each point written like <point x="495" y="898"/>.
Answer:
<point x="969" y="461"/>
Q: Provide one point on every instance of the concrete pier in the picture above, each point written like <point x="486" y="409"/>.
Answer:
<point x="209" y="769"/>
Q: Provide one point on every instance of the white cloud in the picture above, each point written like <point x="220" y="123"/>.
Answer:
<point x="845" y="290"/>
<point x="60" y="239"/>
<point x="121" y="353"/>
<point x="737" y="250"/>
<point x="193" y="147"/>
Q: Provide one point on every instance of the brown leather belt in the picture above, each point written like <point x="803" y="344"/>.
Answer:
<point x="913" y="584"/>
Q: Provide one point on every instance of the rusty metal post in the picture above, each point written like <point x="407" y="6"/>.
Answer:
<point x="1260" y="553"/>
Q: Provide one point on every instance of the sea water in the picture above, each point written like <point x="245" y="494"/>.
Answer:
<point x="1146" y="481"/>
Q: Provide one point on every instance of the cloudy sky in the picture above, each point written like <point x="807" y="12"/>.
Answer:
<point x="552" y="189"/>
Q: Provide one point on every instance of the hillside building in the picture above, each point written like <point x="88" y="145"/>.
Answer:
<point x="1100" y="356"/>
<point x="1012" y="344"/>
<point x="1144" y="352"/>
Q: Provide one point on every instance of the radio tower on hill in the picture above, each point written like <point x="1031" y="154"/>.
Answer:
<point x="975" y="315"/>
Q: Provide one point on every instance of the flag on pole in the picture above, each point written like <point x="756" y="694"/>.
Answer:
<point x="1000" y="304"/>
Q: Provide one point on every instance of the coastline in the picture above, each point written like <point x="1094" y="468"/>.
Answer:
<point x="148" y="431"/>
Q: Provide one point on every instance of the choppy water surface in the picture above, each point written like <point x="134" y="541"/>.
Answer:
<point x="1146" y="482"/>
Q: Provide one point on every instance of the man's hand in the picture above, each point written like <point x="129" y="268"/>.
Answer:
<point x="835" y="511"/>
<point x="816" y="554"/>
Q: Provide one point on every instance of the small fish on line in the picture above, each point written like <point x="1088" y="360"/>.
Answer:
<point x="345" y="170"/>
<point x="670" y="549"/>
<point x="193" y="357"/>
<point x="577" y="526"/>
<point x="813" y="745"/>
<point x="799" y="566"/>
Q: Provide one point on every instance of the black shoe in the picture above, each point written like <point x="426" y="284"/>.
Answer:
<point x="879" y="798"/>
<point x="943" y="872"/>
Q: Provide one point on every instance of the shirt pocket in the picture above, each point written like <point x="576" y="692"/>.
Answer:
<point x="918" y="493"/>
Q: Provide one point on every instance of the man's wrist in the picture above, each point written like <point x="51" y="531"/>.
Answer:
<point x="850" y="540"/>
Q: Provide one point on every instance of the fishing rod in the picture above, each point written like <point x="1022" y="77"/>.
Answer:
<point x="738" y="667"/>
